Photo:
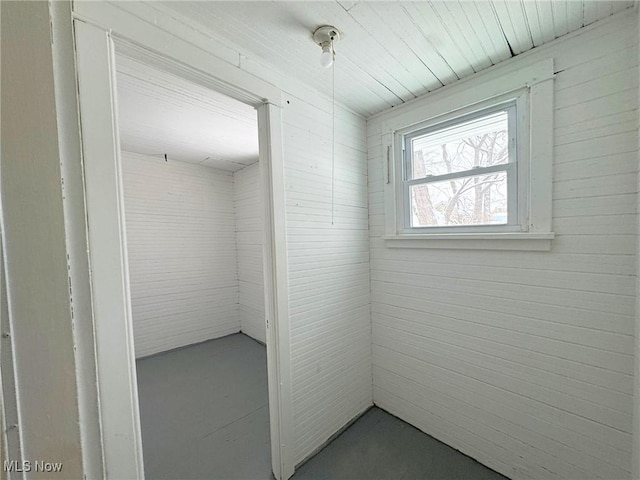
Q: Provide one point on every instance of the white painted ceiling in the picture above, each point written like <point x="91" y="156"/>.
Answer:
<point x="390" y="52"/>
<point x="160" y="113"/>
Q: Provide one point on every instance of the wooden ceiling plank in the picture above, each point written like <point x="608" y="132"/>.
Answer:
<point x="604" y="9"/>
<point x="533" y="19"/>
<point x="401" y="24"/>
<point x="520" y="25"/>
<point x="263" y="48"/>
<point x="574" y="15"/>
<point x="589" y="12"/>
<point x="413" y="70"/>
<point x="559" y="8"/>
<point x="365" y="96"/>
<point x="348" y="92"/>
<point x="160" y="113"/>
<point x="390" y="51"/>
<point x="456" y="23"/>
<point x="621" y="5"/>
<point x="506" y="24"/>
<point x="362" y="49"/>
<point x="148" y="81"/>
<point x="488" y="30"/>
<point x="546" y="20"/>
<point x="432" y="29"/>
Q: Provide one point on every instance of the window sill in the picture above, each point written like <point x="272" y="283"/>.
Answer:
<point x="473" y="241"/>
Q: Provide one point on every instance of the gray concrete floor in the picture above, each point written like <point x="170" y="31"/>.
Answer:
<point x="204" y="411"/>
<point x="379" y="446"/>
<point x="204" y="415"/>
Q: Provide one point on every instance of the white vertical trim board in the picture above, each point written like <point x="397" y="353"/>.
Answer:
<point x="66" y="91"/>
<point x="182" y="252"/>
<point x="122" y="444"/>
<point x="39" y="375"/>
<point x="10" y="444"/>
<point x="248" y="204"/>
<point x="274" y="254"/>
<point x="635" y="468"/>
<point x="525" y="360"/>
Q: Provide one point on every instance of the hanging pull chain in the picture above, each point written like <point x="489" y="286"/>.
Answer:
<point x="333" y="135"/>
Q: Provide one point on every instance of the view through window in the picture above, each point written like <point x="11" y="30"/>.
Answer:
<point x="463" y="172"/>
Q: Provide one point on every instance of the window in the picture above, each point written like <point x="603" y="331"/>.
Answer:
<point x="470" y="165"/>
<point x="463" y="172"/>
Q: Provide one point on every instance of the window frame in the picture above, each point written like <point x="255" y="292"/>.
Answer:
<point x="517" y="161"/>
<point x="533" y="85"/>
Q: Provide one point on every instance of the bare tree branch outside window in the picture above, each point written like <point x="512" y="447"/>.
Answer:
<point x="466" y="200"/>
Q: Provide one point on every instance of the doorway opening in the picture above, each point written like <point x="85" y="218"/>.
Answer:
<point x="96" y="47"/>
<point x="193" y="211"/>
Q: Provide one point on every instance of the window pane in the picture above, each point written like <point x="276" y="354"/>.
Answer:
<point x="476" y="200"/>
<point x="480" y="142"/>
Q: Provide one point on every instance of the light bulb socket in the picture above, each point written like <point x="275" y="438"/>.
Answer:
<point x="326" y="37"/>
<point x="326" y="58"/>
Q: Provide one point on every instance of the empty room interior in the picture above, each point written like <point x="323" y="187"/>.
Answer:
<point x="320" y="240"/>
<point x="193" y="220"/>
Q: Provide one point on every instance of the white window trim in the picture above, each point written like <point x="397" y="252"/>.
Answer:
<point x="532" y="87"/>
<point x="519" y="100"/>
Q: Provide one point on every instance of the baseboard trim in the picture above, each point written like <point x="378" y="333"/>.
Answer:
<point x="189" y="345"/>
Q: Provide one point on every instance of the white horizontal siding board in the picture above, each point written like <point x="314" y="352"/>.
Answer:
<point x="550" y="324"/>
<point x="328" y="272"/>
<point x="462" y="320"/>
<point x="572" y="207"/>
<point x="599" y="128"/>
<point x="617" y="285"/>
<point x="249" y="233"/>
<point x="595" y="225"/>
<point x="550" y="366"/>
<point x="601" y="86"/>
<point x="464" y="440"/>
<point x="620" y="264"/>
<point x="604" y="185"/>
<point x="595" y="69"/>
<point x="537" y="377"/>
<point x="182" y="252"/>
<point x="450" y="327"/>
<point x="604" y="303"/>
<point x="471" y="392"/>
<point x="596" y="311"/>
<point x="616" y="244"/>
<point x="512" y="445"/>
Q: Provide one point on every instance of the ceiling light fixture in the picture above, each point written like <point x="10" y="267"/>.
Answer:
<point x="326" y="36"/>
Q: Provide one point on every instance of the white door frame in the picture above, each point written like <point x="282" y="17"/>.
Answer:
<point x="96" y="44"/>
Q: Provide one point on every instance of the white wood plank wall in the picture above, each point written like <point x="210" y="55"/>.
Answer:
<point x="328" y="271"/>
<point x="524" y="360"/>
<point x="182" y="252"/>
<point x="328" y="264"/>
<point x="247" y="198"/>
